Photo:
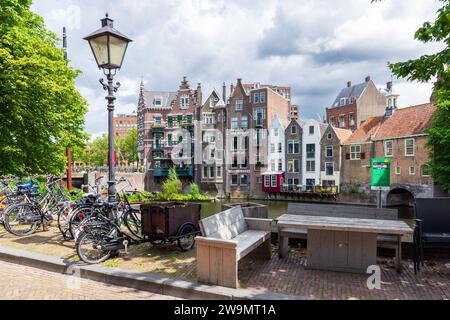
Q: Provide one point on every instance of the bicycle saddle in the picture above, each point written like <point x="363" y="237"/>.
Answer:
<point x="94" y="197"/>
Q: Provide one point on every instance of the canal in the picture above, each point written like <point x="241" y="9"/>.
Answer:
<point x="276" y="208"/>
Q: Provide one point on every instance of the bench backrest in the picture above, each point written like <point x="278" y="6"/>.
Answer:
<point x="225" y="225"/>
<point x="340" y="211"/>
<point x="435" y="213"/>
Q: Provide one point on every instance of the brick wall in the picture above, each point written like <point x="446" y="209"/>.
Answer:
<point x="404" y="162"/>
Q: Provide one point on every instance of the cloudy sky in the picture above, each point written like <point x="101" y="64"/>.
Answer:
<point x="314" y="46"/>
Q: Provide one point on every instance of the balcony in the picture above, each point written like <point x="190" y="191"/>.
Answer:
<point x="158" y="127"/>
<point x="187" y="124"/>
<point x="181" y="172"/>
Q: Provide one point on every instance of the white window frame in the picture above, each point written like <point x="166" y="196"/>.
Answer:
<point x="326" y="171"/>
<point x="184" y="103"/>
<point x="310" y="162"/>
<point x="293" y="162"/>
<point x="274" y="181"/>
<point x="332" y="151"/>
<point x="239" y="105"/>
<point x="262" y="97"/>
<point x="155" y="99"/>
<point x="386" y="153"/>
<point x="244" y="119"/>
<point x="267" y="181"/>
<point x="398" y="171"/>
<point x="294" y="130"/>
<point x="413" y="147"/>
<point x="355" y="155"/>
<point x="256" y="98"/>
<point x="234" y="123"/>
<point x="412" y="171"/>
<point x="219" y="170"/>
<point x="422" y="171"/>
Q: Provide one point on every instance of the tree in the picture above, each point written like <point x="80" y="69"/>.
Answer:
<point x="425" y="69"/>
<point x="129" y="146"/>
<point x="41" y="111"/>
<point x="98" y="152"/>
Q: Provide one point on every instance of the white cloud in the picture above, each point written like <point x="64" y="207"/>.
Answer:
<point x="313" y="46"/>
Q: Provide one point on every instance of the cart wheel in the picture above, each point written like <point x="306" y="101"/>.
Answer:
<point x="186" y="237"/>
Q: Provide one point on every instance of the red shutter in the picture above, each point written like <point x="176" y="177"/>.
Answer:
<point x="347" y="156"/>
<point x="363" y="156"/>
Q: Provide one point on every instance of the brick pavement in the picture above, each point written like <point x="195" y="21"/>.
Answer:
<point x="25" y="283"/>
<point x="289" y="276"/>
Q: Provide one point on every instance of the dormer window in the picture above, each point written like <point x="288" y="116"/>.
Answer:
<point x="157" y="102"/>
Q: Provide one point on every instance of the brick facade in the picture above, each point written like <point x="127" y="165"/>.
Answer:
<point x="123" y="124"/>
<point x="293" y="177"/>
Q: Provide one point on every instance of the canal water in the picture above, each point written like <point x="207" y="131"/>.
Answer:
<point x="276" y="208"/>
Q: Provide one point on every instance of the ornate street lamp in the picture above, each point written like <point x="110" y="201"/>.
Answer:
<point x="109" y="47"/>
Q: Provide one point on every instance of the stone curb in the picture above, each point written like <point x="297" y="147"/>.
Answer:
<point x="150" y="282"/>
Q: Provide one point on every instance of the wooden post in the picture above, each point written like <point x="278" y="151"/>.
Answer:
<point x="69" y="169"/>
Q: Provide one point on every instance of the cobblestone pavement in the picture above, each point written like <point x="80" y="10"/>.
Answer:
<point x="25" y="283"/>
<point x="289" y="276"/>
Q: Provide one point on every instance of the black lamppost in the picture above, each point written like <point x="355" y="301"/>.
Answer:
<point x="109" y="46"/>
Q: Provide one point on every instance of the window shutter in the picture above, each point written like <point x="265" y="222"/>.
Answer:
<point x="347" y="156"/>
<point x="363" y="156"/>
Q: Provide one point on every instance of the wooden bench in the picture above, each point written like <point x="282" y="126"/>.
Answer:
<point x="338" y="211"/>
<point x="227" y="238"/>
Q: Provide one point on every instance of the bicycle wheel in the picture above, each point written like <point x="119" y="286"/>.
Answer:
<point x="8" y="201"/>
<point x="132" y="221"/>
<point x="22" y="219"/>
<point x="77" y="217"/>
<point x="186" y="237"/>
<point x="89" y="246"/>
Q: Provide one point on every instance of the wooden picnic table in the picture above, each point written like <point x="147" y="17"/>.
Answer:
<point x="342" y="244"/>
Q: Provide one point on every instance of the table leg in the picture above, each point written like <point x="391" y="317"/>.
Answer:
<point x="283" y="246"/>
<point x="399" y="254"/>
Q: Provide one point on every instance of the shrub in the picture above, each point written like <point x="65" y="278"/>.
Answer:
<point x="173" y="184"/>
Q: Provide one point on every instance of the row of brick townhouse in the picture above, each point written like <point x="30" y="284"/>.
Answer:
<point x="221" y="143"/>
<point x="251" y="141"/>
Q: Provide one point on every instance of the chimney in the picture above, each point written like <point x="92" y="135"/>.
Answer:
<point x="224" y="92"/>
<point x="231" y="89"/>
<point x="368" y="79"/>
<point x="389" y="86"/>
<point x="239" y="81"/>
<point x="199" y="94"/>
<point x="349" y="84"/>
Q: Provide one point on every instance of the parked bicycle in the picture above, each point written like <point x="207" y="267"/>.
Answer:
<point x="110" y="230"/>
<point x="25" y="218"/>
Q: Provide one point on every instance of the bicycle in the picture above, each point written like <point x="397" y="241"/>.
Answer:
<point x="102" y="236"/>
<point x="89" y="209"/>
<point x="25" y="218"/>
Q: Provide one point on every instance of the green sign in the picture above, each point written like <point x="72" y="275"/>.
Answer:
<point x="381" y="173"/>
